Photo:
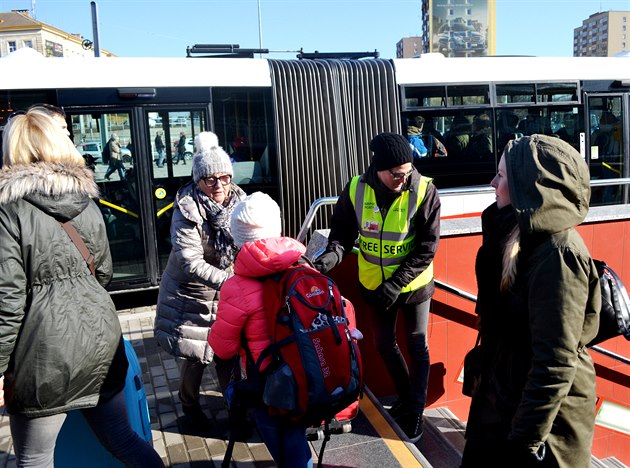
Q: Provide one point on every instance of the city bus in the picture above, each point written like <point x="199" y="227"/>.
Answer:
<point x="298" y="129"/>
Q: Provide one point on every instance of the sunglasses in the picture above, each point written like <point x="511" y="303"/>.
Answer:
<point x="400" y="175"/>
<point x="13" y="114"/>
<point x="212" y="180"/>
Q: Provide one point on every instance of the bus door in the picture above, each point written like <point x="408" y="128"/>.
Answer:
<point x="170" y="146"/>
<point x="137" y="182"/>
<point x="156" y="140"/>
<point x="607" y="145"/>
<point x="105" y="139"/>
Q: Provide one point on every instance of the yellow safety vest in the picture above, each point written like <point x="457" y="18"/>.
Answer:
<point x="383" y="245"/>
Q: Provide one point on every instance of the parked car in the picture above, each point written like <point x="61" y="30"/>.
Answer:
<point x="90" y="148"/>
<point x="94" y="150"/>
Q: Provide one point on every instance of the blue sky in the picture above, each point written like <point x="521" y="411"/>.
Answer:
<point x="166" y="27"/>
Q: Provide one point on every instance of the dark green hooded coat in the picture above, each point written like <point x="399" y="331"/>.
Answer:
<point x="538" y="381"/>
<point x="59" y="330"/>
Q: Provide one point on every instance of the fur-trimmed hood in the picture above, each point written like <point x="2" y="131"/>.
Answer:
<point x="62" y="190"/>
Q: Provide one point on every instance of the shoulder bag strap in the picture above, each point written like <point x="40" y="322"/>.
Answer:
<point x="76" y="239"/>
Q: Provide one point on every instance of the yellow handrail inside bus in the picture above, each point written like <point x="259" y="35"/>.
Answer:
<point x="165" y="209"/>
<point x="608" y="166"/>
<point x="119" y="208"/>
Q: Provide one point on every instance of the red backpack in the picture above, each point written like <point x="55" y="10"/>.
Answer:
<point x="315" y="369"/>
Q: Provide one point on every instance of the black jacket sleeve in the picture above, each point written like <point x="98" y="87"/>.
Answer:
<point x="344" y="225"/>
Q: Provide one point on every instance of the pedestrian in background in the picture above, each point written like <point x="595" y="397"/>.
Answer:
<point x="538" y="302"/>
<point x="115" y="158"/>
<point x="395" y="213"/>
<point x="61" y="345"/>
<point x="201" y="260"/>
<point x="160" y="147"/>
<point x="180" y="147"/>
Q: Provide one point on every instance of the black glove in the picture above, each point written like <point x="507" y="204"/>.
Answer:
<point x="326" y="262"/>
<point x="385" y="295"/>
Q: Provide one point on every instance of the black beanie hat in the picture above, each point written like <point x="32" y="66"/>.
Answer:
<point x="390" y="150"/>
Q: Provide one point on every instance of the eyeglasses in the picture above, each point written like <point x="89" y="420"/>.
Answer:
<point x="400" y="175"/>
<point x="212" y="180"/>
<point x="13" y="114"/>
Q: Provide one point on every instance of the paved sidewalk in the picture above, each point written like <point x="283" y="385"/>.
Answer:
<point x="180" y="446"/>
<point x="176" y="442"/>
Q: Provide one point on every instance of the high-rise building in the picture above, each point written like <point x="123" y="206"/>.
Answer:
<point x="602" y="34"/>
<point x="409" y="47"/>
<point x="19" y="30"/>
<point x="459" y="28"/>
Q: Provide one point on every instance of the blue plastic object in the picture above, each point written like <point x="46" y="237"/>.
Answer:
<point x="78" y="447"/>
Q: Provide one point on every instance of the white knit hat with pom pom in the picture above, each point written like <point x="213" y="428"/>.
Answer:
<point x="209" y="157"/>
<point x="257" y="216"/>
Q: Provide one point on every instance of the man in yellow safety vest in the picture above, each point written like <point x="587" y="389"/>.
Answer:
<point x="395" y="213"/>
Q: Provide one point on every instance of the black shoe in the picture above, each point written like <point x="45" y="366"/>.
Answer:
<point x="197" y="418"/>
<point x="397" y="409"/>
<point x="412" y="426"/>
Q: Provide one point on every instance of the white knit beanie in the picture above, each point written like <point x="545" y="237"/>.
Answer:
<point x="209" y="157"/>
<point x="257" y="216"/>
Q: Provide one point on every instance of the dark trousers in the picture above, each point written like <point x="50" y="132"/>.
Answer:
<point x="115" y="165"/>
<point x="410" y="381"/>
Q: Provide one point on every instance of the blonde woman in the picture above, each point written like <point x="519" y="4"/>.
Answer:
<point x="538" y="297"/>
<point x="61" y="345"/>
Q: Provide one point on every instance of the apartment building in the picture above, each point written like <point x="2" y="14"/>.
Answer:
<point x="602" y="34"/>
<point x="409" y="47"/>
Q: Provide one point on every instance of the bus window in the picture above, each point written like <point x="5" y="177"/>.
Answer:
<point x="182" y="129"/>
<point x="468" y="138"/>
<point x="606" y="147"/>
<point x="563" y="122"/>
<point x="115" y="173"/>
<point x="243" y="121"/>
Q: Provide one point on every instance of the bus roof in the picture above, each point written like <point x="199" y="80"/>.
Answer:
<point x="28" y="71"/>
<point x="435" y="68"/>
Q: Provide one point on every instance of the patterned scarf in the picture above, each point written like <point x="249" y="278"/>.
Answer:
<point x="218" y="218"/>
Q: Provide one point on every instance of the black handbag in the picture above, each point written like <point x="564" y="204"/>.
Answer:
<point x="614" y="315"/>
<point x="472" y="369"/>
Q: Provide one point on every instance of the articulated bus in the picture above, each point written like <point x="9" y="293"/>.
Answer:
<point x="299" y="129"/>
